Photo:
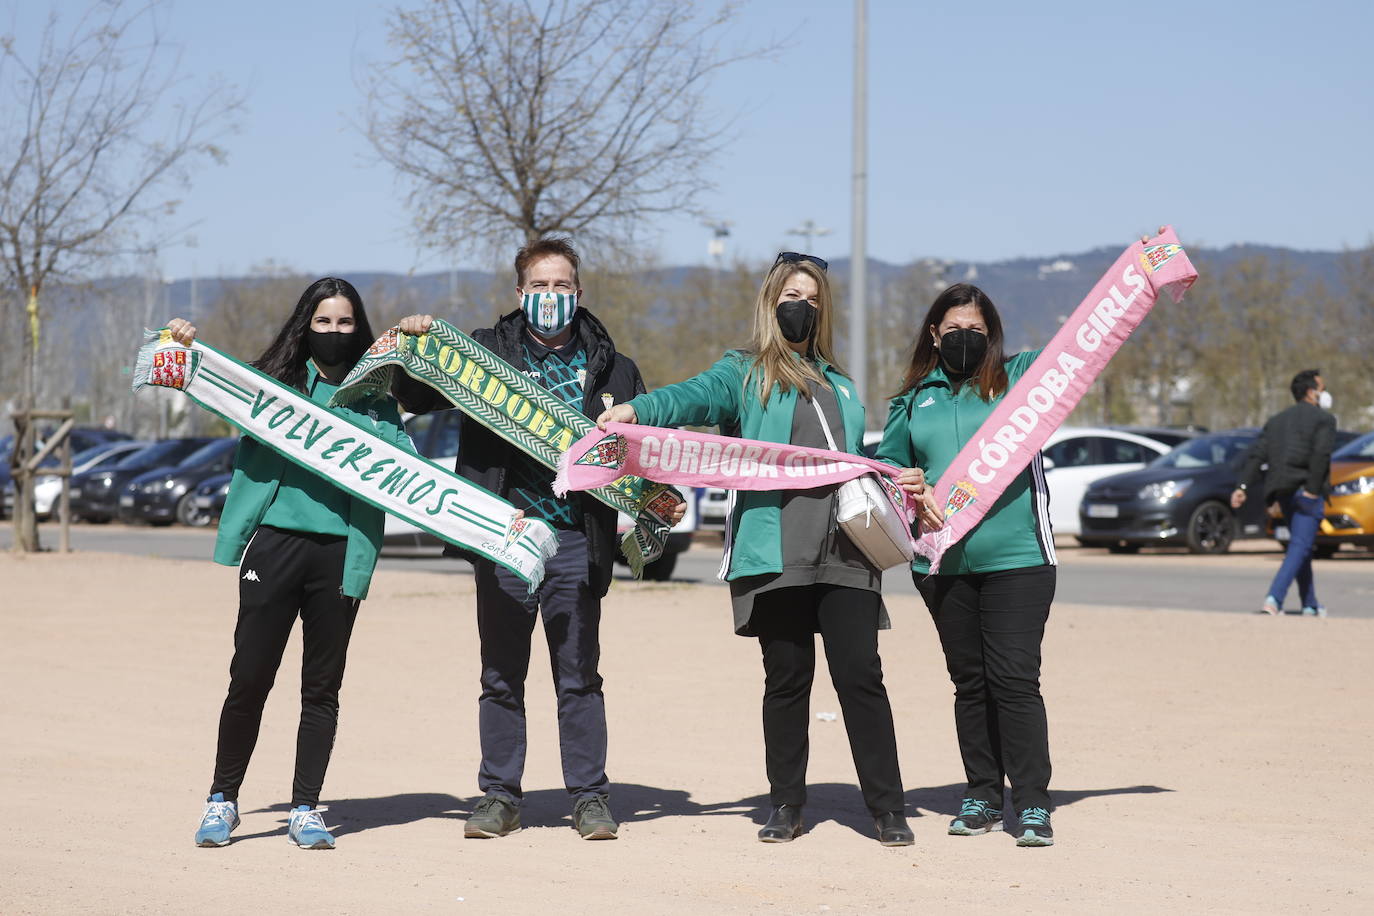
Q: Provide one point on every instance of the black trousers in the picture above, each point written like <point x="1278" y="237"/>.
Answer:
<point x="786" y="621"/>
<point x="506" y="616"/>
<point x="285" y="574"/>
<point x="991" y="626"/>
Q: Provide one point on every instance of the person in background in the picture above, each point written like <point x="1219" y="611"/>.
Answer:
<point x="1296" y="444"/>
<point x="305" y="549"/>
<point x="792" y="571"/>
<point x="991" y="597"/>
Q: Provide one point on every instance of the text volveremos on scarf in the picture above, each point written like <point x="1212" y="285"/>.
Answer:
<point x="1040" y="400"/>
<point x="351" y="456"/>
<point x="523" y="413"/>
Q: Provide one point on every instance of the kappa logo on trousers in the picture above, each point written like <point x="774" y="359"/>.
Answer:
<point x="251" y="576"/>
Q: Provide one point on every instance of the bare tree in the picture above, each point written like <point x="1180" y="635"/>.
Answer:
<point x="514" y="119"/>
<point x="90" y="141"/>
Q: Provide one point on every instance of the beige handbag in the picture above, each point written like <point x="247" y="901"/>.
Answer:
<point x="867" y="515"/>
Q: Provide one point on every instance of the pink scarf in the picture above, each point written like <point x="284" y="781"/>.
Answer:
<point x="1038" y="403"/>
<point x="703" y="460"/>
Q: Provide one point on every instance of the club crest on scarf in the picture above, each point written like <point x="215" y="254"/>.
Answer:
<point x="173" y="367"/>
<point x="962" y="496"/>
<point x="549" y="313"/>
<point x="384" y="344"/>
<point x="1154" y="256"/>
<point x="517" y="528"/>
<point x="610" y="452"/>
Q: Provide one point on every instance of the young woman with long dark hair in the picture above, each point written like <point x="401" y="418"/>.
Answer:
<point x="992" y="595"/>
<point x="305" y="548"/>
<point x="792" y="571"/>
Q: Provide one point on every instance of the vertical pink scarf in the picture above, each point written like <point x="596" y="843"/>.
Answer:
<point x="1038" y="403"/>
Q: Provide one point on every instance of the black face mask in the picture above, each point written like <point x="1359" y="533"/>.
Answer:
<point x="797" y="320"/>
<point x="331" y="348"/>
<point x="962" y="349"/>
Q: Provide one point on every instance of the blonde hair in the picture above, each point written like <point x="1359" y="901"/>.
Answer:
<point x="774" y="362"/>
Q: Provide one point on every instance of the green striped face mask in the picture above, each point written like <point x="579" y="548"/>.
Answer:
<point x="549" y="313"/>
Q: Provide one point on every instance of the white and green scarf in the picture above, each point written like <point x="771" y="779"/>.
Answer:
<point x="350" y="455"/>
<point x="495" y="394"/>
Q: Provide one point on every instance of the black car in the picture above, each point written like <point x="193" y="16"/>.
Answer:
<point x="95" y="494"/>
<point x="164" y="495"/>
<point x="209" y="498"/>
<point x="1181" y="498"/>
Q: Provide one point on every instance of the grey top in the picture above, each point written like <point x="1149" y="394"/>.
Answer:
<point x="814" y="548"/>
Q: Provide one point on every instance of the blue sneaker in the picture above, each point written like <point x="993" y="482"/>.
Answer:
<point x="975" y="818"/>
<point x="218" y="821"/>
<point x="306" y="829"/>
<point x="1035" y="828"/>
<point x="1314" y="610"/>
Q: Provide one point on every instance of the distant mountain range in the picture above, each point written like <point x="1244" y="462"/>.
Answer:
<point x="1031" y="292"/>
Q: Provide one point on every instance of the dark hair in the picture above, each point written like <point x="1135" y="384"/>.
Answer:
<point x="1303" y="382"/>
<point x="542" y="248"/>
<point x="991" y="375"/>
<point x="284" y="359"/>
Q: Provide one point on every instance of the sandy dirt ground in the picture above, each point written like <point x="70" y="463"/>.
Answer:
<point x="1203" y="762"/>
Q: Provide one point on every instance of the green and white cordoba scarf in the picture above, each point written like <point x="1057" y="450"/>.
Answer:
<point x="523" y="413"/>
<point x="352" y="456"/>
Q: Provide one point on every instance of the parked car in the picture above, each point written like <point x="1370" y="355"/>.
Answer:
<point x="82" y="439"/>
<point x="1077" y="456"/>
<point x="48" y="490"/>
<point x="1350" y="509"/>
<point x="209" y="497"/>
<point x="95" y="494"/>
<point x="713" y="507"/>
<point x="164" y="495"/>
<point x="1169" y="435"/>
<point x="1181" y="498"/>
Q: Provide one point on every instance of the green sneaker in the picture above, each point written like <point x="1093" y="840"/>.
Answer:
<point x="495" y="815"/>
<point x="592" y="818"/>
<point x="1035" y="828"/>
<point x="975" y="818"/>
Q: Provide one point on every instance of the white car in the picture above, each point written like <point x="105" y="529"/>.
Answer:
<point x="1076" y="456"/>
<point x="47" y="489"/>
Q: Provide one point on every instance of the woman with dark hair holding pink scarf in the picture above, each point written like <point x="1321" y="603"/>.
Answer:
<point x="992" y="595"/>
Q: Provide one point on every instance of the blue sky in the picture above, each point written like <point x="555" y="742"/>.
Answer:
<point x="996" y="130"/>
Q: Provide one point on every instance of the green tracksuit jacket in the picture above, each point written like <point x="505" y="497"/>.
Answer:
<point x="926" y="428"/>
<point x="718" y="397"/>
<point x="258" y="471"/>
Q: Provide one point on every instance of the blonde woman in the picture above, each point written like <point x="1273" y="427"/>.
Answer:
<point x="792" y="572"/>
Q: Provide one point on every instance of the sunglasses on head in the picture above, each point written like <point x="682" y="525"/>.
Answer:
<point x="796" y="257"/>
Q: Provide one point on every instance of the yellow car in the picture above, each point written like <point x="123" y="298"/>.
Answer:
<point x="1350" y="509"/>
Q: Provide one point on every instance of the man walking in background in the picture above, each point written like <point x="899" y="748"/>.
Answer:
<point x="1297" y="444"/>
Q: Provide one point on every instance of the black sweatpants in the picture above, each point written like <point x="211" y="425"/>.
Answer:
<point x="991" y="626"/>
<point x="786" y="621"/>
<point x="283" y="574"/>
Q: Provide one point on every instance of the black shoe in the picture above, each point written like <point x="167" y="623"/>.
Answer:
<point x="1035" y="828"/>
<point x="784" y="825"/>
<point x="975" y="818"/>
<point x="893" y="830"/>
<point x="592" y="818"/>
<point x="495" y="815"/>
